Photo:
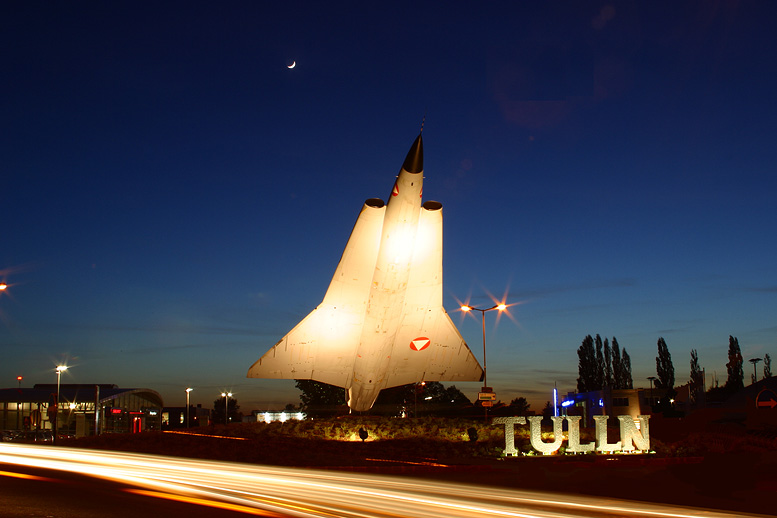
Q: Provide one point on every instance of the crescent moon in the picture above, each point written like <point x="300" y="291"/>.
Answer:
<point x="293" y="64"/>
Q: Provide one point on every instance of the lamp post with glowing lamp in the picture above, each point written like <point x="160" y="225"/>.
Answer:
<point x="500" y="307"/>
<point x="60" y="369"/>
<point x="466" y="309"/>
<point x="187" y="408"/>
<point x="226" y="395"/>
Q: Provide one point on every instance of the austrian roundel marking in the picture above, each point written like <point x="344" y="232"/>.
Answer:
<point x="395" y="190"/>
<point x="420" y="343"/>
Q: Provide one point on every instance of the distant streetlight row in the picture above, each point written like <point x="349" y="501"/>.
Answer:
<point x="226" y="395"/>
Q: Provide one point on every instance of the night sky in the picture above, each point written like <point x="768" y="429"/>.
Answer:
<point x="175" y="199"/>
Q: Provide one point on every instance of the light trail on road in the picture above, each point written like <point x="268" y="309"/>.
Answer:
<point x="274" y="491"/>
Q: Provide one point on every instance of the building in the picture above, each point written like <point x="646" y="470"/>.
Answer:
<point x="84" y="409"/>
<point x="174" y="417"/>
<point x="611" y="402"/>
<point x="258" y="416"/>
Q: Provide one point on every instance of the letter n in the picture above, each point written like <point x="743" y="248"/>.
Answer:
<point x="631" y="437"/>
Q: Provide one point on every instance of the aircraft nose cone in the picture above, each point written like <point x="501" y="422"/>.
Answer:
<point x="414" y="161"/>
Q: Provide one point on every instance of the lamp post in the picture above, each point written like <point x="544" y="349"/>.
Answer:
<point x="500" y="307"/>
<point x="755" y="361"/>
<point x="226" y="395"/>
<point x="60" y="369"/>
<point x="187" y="408"/>
<point x="651" y="378"/>
<point x="415" y="399"/>
<point x="466" y="308"/>
<point x="19" y="405"/>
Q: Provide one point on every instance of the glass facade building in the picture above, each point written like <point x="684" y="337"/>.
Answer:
<point x="83" y="409"/>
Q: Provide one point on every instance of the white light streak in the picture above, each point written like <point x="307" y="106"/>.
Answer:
<point x="313" y="493"/>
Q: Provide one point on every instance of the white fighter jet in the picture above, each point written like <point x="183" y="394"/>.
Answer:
<point x="381" y="323"/>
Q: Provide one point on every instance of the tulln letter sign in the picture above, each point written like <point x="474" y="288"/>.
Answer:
<point x="631" y="438"/>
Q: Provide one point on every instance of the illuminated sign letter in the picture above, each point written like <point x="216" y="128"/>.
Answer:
<point x="535" y="428"/>
<point x="574" y="436"/>
<point x="510" y="423"/>
<point x="631" y="437"/>
<point x="601" y="435"/>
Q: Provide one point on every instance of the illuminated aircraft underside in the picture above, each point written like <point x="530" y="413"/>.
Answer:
<point x="381" y="323"/>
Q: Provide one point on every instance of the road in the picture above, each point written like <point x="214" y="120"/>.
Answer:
<point x="140" y="482"/>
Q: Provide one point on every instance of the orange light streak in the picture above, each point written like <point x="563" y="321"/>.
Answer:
<point x="202" y="501"/>
<point x="25" y="475"/>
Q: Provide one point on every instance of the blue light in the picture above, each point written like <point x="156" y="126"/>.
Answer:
<point x="601" y="402"/>
<point x="567" y="403"/>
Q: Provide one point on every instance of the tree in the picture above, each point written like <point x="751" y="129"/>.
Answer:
<point x="664" y="367"/>
<point x="602" y="366"/>
<point x="697" y="378"/>
<point x="218" y="414"/>
<point x="628" y="382"/>
<point x="518" y="406"/>
<point x="456" y="398"/>
<point x="617" y="368"/>
<point x="736" y="373"/>
<point x="586" y="366"/>
<point x="599" y="379"/>
<point x="320" y="399"/>
<point x="767" y="366"/>
<point x="608" y="374"/>
<point x="438" y="400"/>
<point x="392" y="401"/>
<point x="433" y="398"/>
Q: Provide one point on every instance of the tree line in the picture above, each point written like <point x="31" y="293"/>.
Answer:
<point x="423" y="399"/>
<point x="602" y="365"/>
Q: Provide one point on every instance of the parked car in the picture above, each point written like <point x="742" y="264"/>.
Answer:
<point x="9" y="435"/>
<point x="35" y="436"/>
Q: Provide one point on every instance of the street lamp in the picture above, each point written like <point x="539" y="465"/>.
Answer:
<point x="651" y="378"/>
<point x="226" y="395"/>
<point x="60" y="369"/>
<point x="3" y="286"/>
<point x="466" y="308"/>
<point x="187" y="407"/>
<point x="19" y="405"/>
<point x="755" y="361"/>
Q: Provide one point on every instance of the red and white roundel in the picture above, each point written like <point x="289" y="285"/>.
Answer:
<point x="420" y="343"/>
<point x="395" y="190"/>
